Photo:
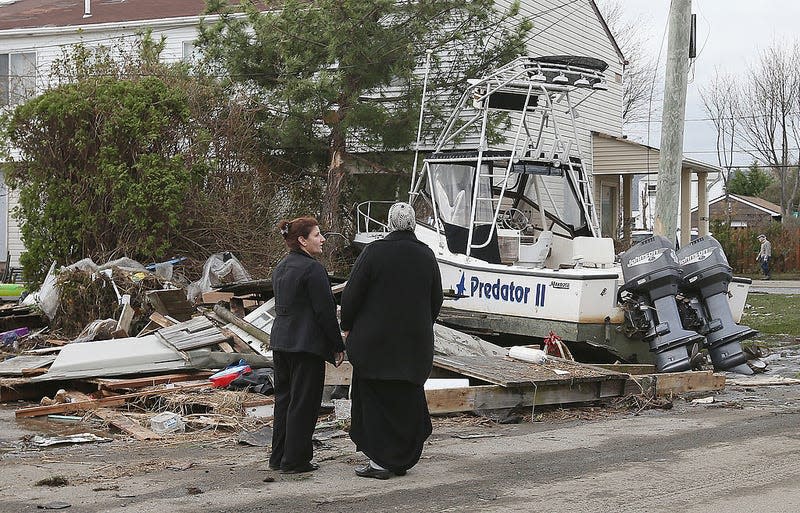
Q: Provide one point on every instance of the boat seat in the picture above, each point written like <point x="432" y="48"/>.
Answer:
<point x="534" y="255"/>
<point x="593" y="251"/>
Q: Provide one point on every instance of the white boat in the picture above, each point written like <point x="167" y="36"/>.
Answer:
<point x="506" y="205"/>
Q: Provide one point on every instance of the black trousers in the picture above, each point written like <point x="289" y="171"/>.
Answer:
<point x="299" y="379"/>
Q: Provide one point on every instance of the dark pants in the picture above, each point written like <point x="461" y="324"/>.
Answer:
<point x="299" y="378"/>
<point x="765" y="267"/>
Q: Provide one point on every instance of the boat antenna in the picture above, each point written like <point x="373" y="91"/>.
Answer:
<point x="411" y="192"/>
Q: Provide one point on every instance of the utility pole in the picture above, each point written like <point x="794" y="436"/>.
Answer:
<point x="674" y="112"/>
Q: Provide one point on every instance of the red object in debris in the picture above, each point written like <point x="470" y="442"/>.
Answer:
<point x="554" y="346"/>
<point x="224" y="377"/>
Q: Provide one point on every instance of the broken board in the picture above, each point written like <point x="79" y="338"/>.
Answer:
<point x="507" y="372"/>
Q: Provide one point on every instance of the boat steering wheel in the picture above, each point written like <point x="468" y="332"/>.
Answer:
<point x="514" y="219"/>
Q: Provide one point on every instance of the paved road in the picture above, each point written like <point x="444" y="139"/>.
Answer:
<point x="739" y="454"/>
<point x="776" y="286"/>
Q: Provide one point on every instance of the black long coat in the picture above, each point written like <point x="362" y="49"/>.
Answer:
<point x="389" y="306"/>
<point x="305" y="309"/>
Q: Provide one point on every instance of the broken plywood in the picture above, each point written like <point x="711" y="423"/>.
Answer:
<point x="513" y="373"/>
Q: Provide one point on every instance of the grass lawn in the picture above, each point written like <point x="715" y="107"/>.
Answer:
<point x="773" y="314"/>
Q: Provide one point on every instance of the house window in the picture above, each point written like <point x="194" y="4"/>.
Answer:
<point x="189" y="52"/>
<point x="17" y="77"/>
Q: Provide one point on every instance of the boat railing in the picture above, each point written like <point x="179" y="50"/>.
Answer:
<point x="366" y="214"/>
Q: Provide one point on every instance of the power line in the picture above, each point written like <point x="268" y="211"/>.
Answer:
<point x="722" y="118"/>
<point x="743" y="150"/>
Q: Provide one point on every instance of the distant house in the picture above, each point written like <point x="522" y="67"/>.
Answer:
<point x="34" y="32"/>
<point x="744" y="211"/>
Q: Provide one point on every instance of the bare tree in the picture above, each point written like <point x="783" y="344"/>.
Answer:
<point x="641" y="70"/>
<point x="721" y="102"/>
<point x="770" y="123"/>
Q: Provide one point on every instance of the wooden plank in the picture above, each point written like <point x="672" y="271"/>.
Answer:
<point x="125" y="317"/>
<point x="634" y="369"/>
<point x="142" y="382"/>
<point x="492" y="397"/>
<point x="172" y="303"/>
<point x="34" y="372"/>
<point x="341" y="375"/>
<point x="238" y="344"/>
<point x="213" y="297"/>
<point x="38" y="411"/>
<point x="126" y="425"/>
<point x="508" y="372"/>
<point x="225" y="347"/>
<point x="676" y="383"/>
<point x="161" y="320"/>
<point x="248" y="328"/>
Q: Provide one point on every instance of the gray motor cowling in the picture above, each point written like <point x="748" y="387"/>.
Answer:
<point x="706" y="274"/>
<point x="651" y="271"/>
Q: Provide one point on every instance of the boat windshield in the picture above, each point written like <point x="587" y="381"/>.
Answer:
<point x="452" y="184"/>
<point x="530" y="186"/>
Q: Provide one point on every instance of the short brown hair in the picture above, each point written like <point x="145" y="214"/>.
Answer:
<point x="298" y="227"/>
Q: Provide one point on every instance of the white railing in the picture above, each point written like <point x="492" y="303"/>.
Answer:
<point x="365" y="220"/>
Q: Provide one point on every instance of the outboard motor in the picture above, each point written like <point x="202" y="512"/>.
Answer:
<point x="706" y="274"/>
<point x="651" y="271"/>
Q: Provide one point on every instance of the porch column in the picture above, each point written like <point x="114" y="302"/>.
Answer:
<point x="702" y="204"/>
<point x="627" y="215"/>
<point x="686" y="206"/>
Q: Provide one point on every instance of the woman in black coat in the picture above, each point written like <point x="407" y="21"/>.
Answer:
<point x="388" y="309"/>
<point x="304" y="335"/>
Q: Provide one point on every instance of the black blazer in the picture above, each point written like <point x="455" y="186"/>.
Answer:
<point x="389" y="305"/>
<point x="305" y="310"/>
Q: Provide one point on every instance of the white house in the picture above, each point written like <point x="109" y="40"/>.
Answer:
<point x="34" y="32"/>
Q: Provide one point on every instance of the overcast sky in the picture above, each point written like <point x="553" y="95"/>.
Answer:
<point x="730" y="36"/>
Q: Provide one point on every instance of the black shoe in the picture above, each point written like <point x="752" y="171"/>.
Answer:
<point x="308" y="467"/>
<point x="274" y="467"/>
<point x="369" y="471"/>
<point x="400" y="472"/>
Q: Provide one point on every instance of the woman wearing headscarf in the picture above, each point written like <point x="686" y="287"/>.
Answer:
<point x="389" y="306"/>
<point x="304" y="335"/>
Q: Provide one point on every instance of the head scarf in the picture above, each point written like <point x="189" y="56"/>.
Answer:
<point x="401" y="217"/>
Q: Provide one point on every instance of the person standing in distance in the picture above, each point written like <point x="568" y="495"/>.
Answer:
<point x="304" y="335"/>
<point x="389" y="306"/>
<point x="765" y="256"/>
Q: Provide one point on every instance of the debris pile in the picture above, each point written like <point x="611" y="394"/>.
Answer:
<point x="121" y="342"/>
<point x="122" y="345"/>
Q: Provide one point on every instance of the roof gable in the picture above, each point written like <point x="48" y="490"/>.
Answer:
<point x="760" y="204"/>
